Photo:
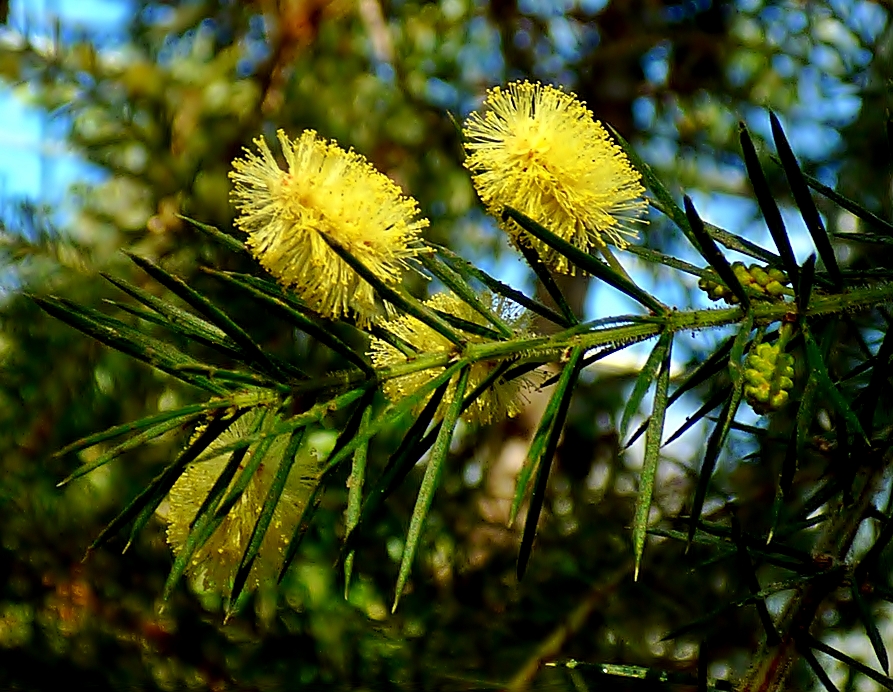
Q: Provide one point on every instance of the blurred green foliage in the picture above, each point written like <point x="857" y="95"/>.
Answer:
<point x="160" y="108"/>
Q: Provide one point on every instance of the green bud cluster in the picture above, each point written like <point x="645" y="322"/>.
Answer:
<point x="768" y="373"/>
<point x="764" y="280"/>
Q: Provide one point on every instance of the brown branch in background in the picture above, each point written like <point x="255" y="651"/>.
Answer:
<point x="770" y="671"/>
<point x="552" y="645"/>
<point x="374" y="21"/>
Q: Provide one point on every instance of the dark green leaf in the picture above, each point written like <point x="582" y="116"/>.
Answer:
<point x="461" y="288"/>
<point x="855" y="209"/>
<point x="406" y="303"/>
<point x="271" y="501"/>
<point x="587" y="262"/>
<point x="132" y="443"/>
<point x="643" y="381"/>
<point x="470" y="271"/>
<point x="226" y="240"/>
<point x="714" y="257"/>
<point x="871" y="628"/>
<point x="739" y="345"/>
<point x="181" y="414"/>
<point x="817" y="367"/>
<point x="430" y="482"/>
<point x="548" y="281"/>
<point x="746" y="570"/>
<point x="212" y="512"/>
<point x="804" y="285"/>
<point x="413" y="445"/>
<point x="355" y="496"/>
<point x="820" y="673"/>
<point x="287" y="307"/>
<point x="804" y="202"/>
<point x="653" y="183"/>
<point x="819" y="645"/>
<point x="344" y="448"/>
<point x="711" y="455"/>
<point x="178" y="320"/>
<point x="223" y="321"/>
<point x="718" y="397"/>
<point x="767" y="205"/>
<point x="652" y="449"/>
<point x="468" y="327"/>
<point x="148" y="500"/>
<point x="124" y="338"/>
<point x="563" y="392"/>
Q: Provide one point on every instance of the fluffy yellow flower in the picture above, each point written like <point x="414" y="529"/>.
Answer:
<point x="214" y="565"/>
<point x="503" y="399"/>
<point x="537" y="149"/>
<point x="324" y="191"/>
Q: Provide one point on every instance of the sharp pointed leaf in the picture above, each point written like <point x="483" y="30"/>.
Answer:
<point x="804" y="202"/>
<point x="288" y="309"/>
<point x="711" y="455"/>
<point x="643" y="381"/>
<point x="818" y="645"/>
<point x="652" y="449"/>
<point x="586" y="262"/>
<point x="563" y="392"/>
<point x="430" y="483"/>
<point x="132" y="443"/>
<point x="224" y="239"/>
<point x="238" y="399"/>
<point x="158" y="488"/>
<point x="388" y="418"/>
<point x="768" y="207"/>
<point x="468" y="270"/>
<point x="355" y="496"/>
<point x="223" y="321"/>
<point x="406" y="303"/>
<point x="884" y="227"/>
<point x="178" y="320"/>
<point x="271" y="501"/>
<point x="871" y="628"/>
<point x="805" y="283"/>
<point x="820" y="673"/>
<point x="222" y="497"/>
<point x="653" y="183"/>
<point x="123" y="338"/>
<point x="714" y="257"/>
<point x="461" y="288"/>
<point x="817" y="367"/>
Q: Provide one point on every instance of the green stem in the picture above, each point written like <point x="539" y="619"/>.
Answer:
<point x="551" y="348"/>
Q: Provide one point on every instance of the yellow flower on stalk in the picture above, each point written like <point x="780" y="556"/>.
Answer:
<point x="328" y="192"/>
<point x="214" y="565"/>
<point x="504" y="398"/>
<point x="537" y="149"/>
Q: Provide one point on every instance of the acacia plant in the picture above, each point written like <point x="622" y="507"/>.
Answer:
<point x="808" y="347"/>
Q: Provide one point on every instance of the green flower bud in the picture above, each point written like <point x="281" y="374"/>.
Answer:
<point x="760" y="280"/>
<point x="768" y="373"/>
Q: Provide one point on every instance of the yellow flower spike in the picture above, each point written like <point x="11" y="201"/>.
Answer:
<point x="214" y="565"/>
<point x="537" y="149"/>
<point x="324" y="191"/>
<point x="501" y="400"/>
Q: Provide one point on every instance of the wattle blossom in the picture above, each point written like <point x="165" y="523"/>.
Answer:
<point x="537" y="149"/>
<point x="324" y="191"/>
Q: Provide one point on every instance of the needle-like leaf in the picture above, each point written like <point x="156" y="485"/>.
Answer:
<point x="767" y="204"/>
<point x="587" y="262"/>
<point x="562" y="395"/>
<point x="652" y="449"/>
<point x="430" y="482"/>
<point x="643" y="382"/>
<point x="804" y="201"/>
